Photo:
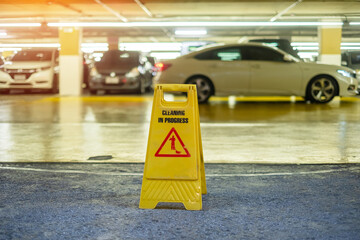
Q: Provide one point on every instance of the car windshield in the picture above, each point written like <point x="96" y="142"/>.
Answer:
<point x="120" y="58"/>
<point x="32" y="56"/>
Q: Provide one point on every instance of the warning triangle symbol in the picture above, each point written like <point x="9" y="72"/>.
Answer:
<point x="172" y="146"/>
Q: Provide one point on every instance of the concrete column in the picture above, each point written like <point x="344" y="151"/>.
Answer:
<point x="113" y="42"/>
<point x="70" y="61"/>
<point x="329" y="44"/>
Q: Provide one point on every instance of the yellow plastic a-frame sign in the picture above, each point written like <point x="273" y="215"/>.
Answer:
<point x="174" y="165"/>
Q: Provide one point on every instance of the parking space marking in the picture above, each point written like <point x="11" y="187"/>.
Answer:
<point x="353" y="169"/>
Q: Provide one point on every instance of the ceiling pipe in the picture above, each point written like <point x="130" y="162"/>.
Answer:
<point x="144" y="8"/>
<point x="195" y="18"/>
<point x="118" y="15"/>
<point x="277" y="16"/>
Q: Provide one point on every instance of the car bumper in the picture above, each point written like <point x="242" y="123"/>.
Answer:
<point x="38" y="80"/>
<point x="122" y="84"/>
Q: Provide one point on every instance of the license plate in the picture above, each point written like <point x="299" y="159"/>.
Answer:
<point x="112" y="80"/>
<point x="19" y="77"/>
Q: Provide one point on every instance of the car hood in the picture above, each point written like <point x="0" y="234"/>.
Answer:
<point x="27" y="65"/>
<point x="328" y="67"/>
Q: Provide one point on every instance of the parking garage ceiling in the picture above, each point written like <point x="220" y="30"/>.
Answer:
<point x="128" y="11"/>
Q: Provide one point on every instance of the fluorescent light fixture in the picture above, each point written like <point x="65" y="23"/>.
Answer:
<point x="94" y="49"/>
<point x="29" y="45"/>
<point x="94" y="45"/>
<point x="313" y="44"/>
<point x="350" y="44"/>
<point x="308" y="54"/>
<point x="294" y="44"/>
<point x="9" y="49"/>
<point x="151" y="46"/>
<point x="89" y="24"/>
<point x="191" y="24"/>
<point x="20" y="24"/>
<point x="190" y="32"/>
<point x="350" y="48"/>
<point x="354" y="23"/>
<point x="2" y="34"/>
<point x="306" y="48"/>
<point x="165" y="55"/>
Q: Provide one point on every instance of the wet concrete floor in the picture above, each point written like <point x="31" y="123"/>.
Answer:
<point x="45" y="128"/>
<point x="51" y="190"/>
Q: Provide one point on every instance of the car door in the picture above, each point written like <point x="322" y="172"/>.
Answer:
<point x="270" y="73"/>
<point x="227" y="71"/>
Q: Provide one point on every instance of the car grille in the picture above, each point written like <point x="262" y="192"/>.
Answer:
<point x="20" y="84"/>
<point x="27" y="75"/>
<point x="26" y="72"/>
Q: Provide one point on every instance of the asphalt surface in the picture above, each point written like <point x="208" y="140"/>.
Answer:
<point x="244" y="201"/>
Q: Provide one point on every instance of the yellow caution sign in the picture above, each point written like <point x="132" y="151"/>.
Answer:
<point x="174" y="165"/>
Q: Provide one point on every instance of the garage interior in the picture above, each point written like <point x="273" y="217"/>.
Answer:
<point x="277" y="167"/>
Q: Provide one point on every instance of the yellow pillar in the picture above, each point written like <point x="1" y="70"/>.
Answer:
<point x="70" y="61"/>
<point x="113" y="42"/>
<point x="329" y="44"/>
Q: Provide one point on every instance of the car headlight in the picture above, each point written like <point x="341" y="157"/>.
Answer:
<point x="133" y="73"/>
<point x="43" y="68"/>
<point x="344" y="73"/>
<point x="95" y="73"/>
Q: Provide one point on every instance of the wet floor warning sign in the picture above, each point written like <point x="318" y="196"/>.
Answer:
<point x="174" y="149"/>
<point x="174" y="165"/>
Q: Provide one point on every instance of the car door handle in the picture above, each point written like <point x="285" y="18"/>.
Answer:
<point x="255" y="66"/>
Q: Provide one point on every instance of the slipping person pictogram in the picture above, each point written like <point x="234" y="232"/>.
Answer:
<point x="172" y="139"/>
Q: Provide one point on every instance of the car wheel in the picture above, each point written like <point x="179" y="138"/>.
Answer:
<point x="322" y="90"/>
<point x="55" y="85"/>
<point x="204" y="88"/>
<point x="142" y="88"/>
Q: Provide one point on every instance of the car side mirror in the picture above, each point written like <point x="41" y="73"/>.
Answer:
<point x="344" y="63"/>
<point x="287" y="58"/>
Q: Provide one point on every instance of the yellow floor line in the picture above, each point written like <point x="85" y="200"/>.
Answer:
<point x="212" y="99"/>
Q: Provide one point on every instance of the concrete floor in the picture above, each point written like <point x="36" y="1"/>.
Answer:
<point x="45" y="128"/>
<point x="100" y="201"/>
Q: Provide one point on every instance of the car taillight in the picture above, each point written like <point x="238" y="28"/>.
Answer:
<point x="162" y="66"/>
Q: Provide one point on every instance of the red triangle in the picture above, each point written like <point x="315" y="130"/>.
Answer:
<point x="157" y="154"/>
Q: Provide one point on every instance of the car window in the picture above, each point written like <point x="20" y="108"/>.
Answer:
<point x="355" y="58"/>
<point x="262" y="54"/>
<point x="32" y="56"/>
<point x="223" y="54"/>
<point x="126" y="58"/>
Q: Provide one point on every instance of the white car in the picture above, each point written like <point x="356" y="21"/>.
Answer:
<point x="257" y="70"/>
<point x="31" y="69"/>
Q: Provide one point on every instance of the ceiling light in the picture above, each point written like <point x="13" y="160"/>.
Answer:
<point x="89" y="24"/>
<point x="165" y="55"/>
<point x="151" y="46"/>
<point x="191" y="24"/>
<point x="2" y="34"/>
<point x="350" y="48"/>
<point x="9" y="49"/>
<point x="29" y="45"/>
<point x="350" y="44"/>
<point x="20" y="24"/>
<point x="294" y="44"/>
<point x="190" y="32"/>
<point x="306" y="48"/>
